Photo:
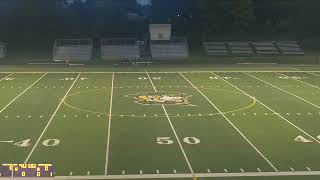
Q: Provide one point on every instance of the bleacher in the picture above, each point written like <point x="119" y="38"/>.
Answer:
<point x="120" y="49"/>
<point x="290" y="48"/>
<point x="265" y="48"/>
<point x="215" y="48"/>
<point x="240" y="48"/>
<point x="253" y="48"/>
<point x="176" y="48"/>
<point x="3" y="50"/>
<point x="72" y="50"/>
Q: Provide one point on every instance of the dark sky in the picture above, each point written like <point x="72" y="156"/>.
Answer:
<point x="168" y="8"/>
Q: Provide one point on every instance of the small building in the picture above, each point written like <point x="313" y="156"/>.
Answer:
<point x="3" y="50"/>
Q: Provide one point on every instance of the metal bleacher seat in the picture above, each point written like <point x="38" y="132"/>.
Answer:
<point x="176" y="48"/>
<point x="72" y="50"/>
<point x="240" y="48"/>
<point x="120" y="49"/>
<point x="253" y="48"/>
<point x="265" y="48"/>
<point x="289" y="48"/>
<point x="215" y="48"/>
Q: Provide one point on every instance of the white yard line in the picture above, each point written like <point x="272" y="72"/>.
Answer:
<point x="201" y="175"/>
<point x="173" y="129"/>
<point x="300" y="81"/>
<point x="109" y="127"/>
<point x="150" y="72"/>
<point x="283" y="118"/>
<point x="6" y="77"/>
<point x="296" y="69"/>
<point x="14" y="99"/>
<point x="312" y="73"/>
<point x="238" y="130"/>
<point x="53" y="115"/>
<point x="304" y="100"/>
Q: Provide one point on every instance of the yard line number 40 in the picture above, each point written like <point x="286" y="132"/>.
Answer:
<point x="46" y="142"/>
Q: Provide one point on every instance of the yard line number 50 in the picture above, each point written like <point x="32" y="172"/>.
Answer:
<point x="168" y="140"/>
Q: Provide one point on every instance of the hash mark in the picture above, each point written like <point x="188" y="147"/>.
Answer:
<point x="174" y="171"/>
<point x="308" y="168"/>
<point x="208" y="170"/>
<point x="225" y="170"/>
<point x="292" y="169"/>
<point x="241" y="170"/>
<point x="123" y="172"/>
<point x="157" y="171"/>
<point x="141" y="172"/>
<point x="259" y="169"/>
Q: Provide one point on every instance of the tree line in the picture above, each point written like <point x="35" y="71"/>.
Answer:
<point x="40" y="21"/>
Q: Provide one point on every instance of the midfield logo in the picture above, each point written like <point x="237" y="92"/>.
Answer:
<point x="162" y="98"/>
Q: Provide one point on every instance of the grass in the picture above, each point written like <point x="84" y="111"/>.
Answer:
<point x="64" y="119"/>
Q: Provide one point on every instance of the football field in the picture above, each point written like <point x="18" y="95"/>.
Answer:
<point x="149" y="124"/>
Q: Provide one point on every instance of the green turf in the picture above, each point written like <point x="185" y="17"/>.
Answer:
<point x="263" y="114"/>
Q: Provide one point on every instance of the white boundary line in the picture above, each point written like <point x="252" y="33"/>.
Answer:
<point x="109" y="127"/>
<point x="53" y="115"/>
<point x="300" y="81"/>
<point x="14" y="99"/>
<point x="5" y="77"/>
<point x="173" y="129"/>
<point x="202" y="175"/>
<point x="302" y="99"/>
<point x="225" y="117"/>
<point x="283" y="118"/>
<point x="142" y="72"/>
